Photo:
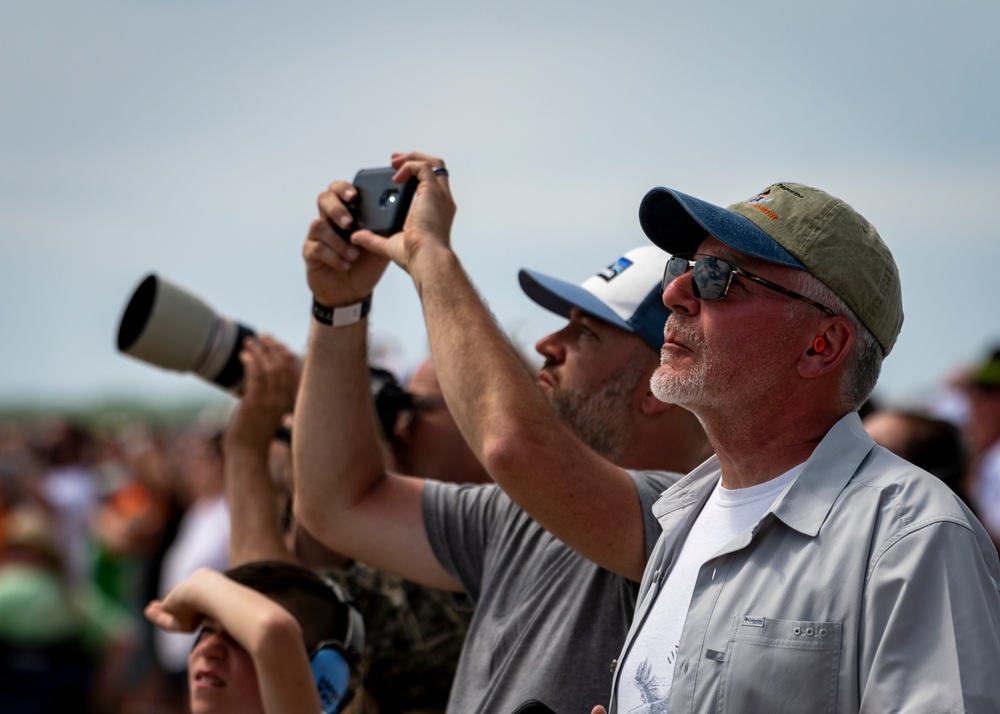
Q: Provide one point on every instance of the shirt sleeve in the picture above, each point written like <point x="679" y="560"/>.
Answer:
<point x="457" y="519"/>
<point x="930" y="638"/>
<point x="649" y="486"/>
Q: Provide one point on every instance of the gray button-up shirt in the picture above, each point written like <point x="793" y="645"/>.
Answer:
<point x="868" y="586"/>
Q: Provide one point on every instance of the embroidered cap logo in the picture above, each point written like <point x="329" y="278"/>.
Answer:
<point x="615" y="269"/>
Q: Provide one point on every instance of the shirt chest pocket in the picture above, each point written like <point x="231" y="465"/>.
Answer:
<point x="781" y="666"/>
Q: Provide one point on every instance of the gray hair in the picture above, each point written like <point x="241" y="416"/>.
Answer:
<point x="864" y="362"/>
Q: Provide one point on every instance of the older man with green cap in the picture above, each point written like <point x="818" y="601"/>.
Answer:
<point x="803" y="568"/>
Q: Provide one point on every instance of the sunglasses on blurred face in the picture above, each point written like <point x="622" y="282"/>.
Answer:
<point x="711" y="278"/>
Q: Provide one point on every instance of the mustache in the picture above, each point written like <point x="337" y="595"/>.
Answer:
<point x="683" y="331"/>
<point x="550" y="371"/>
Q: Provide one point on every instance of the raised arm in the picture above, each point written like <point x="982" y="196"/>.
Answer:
<point x="344" y="497"/>
<point x="267" y="631"/>
<point x="269" y="385"/>
<point x="580" y="497"/>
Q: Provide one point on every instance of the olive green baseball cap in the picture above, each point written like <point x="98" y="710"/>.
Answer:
<point x="797" y="226"/>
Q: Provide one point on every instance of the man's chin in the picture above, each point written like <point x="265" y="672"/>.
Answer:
<point x="553" y="394"/>
<point x="671" y="388"/>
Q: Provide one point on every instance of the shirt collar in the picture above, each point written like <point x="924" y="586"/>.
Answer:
<point x="808" y="500"/>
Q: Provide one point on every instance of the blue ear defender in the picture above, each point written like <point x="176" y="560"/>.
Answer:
<point x="332" y="675"/>
<point x="335" y="663"/>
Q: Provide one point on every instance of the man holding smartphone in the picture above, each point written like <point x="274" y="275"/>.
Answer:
<point x="547" y="621"/>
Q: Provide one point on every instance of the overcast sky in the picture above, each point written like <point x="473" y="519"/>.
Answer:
<point x="190" y="139"/>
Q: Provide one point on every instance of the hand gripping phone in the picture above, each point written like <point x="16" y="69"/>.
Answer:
<point x="381" y="205"/>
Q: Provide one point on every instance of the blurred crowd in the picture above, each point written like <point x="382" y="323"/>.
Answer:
<point x="97" y="522"/>
<point x="89" y="518"/>
<point x="954" y="434"/>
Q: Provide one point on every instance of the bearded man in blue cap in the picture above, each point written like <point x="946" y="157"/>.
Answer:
<point x="547" y="621"/>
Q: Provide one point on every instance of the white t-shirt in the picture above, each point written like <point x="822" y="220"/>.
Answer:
<point x="73" y="492"/>
<point x="646" y="673"/>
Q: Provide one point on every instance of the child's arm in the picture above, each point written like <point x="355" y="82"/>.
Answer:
<point x="267" y="631"/>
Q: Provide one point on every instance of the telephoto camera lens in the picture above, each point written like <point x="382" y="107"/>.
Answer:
<point x="166" y="326"/>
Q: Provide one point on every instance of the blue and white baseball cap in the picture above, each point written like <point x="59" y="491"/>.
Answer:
<point x="626" y="294"/>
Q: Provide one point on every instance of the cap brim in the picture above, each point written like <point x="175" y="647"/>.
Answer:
<point x="678" y="223"/>
<point x="561" y="297"/>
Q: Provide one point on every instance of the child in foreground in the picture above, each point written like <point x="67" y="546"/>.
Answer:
<point x="273" y="638"/>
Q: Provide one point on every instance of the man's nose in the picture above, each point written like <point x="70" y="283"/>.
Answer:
<point x="552" y="347"/>
<point x="679" y="294"/>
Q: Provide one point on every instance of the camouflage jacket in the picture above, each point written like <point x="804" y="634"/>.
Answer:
<point x="413" y="638"/>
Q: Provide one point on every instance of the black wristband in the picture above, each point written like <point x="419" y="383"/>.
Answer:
<point x="342" y="315"/>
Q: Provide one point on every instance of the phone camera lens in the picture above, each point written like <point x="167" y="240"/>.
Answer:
<point x="389" y="197"/>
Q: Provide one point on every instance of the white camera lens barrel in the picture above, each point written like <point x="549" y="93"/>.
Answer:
<point x="166" y="326"/>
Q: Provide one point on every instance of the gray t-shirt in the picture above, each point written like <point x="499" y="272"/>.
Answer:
<point x="547" y="622"/>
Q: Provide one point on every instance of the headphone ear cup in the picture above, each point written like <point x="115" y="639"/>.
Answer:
<point x="332" y="675"/>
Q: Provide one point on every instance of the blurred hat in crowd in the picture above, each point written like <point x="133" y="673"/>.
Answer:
<point x="986" y="375"/>
<point x="625" y="294"/>
<point x="26" y="533"/>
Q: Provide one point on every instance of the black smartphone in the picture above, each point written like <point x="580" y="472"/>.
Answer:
<point x="381" y="205"/>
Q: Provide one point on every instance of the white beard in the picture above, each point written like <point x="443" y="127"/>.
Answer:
<point x="754" y="368"/>
<point x="682" y="388"/>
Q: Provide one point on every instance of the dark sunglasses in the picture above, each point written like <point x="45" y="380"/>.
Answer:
<point x="711" y="278"/>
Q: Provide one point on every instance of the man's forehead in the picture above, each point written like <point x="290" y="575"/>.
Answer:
<point x="608" y="331"/>
<point x="713" y="246"/>
<point x="594" y="322"/>
<point x="424" y="380"/>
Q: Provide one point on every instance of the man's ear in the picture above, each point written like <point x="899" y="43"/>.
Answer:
<point x="827" y="347"/>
